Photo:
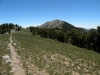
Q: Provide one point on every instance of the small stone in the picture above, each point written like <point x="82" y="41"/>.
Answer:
<point x="17" y="56"/>
<point x="15" y="44"/>
<point x="8" y="48"/>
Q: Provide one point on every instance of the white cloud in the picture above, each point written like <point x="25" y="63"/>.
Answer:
<point x="24" y="26"/>
<point x="86" y="26"/>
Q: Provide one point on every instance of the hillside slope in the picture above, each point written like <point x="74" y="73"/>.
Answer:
<point x="47" y="57"/>
<point x="5" y="67"/>
<point x="59" y="24"/>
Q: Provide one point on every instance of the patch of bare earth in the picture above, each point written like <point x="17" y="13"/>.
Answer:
<point x="34" y="70"/>
<point x="17" y="68"/>
<point x="61" y="58"/>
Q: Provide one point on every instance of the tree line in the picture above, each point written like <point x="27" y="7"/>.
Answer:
<point x="7" y="27"/>
<point x="89" y="39"/>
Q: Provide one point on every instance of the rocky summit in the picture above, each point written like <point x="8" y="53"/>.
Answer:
<point x="57" y="24"/>
<point x="60" y="25"/>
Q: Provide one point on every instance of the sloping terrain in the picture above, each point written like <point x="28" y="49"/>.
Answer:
<point x="16" y="62"/>
<point x="5" y="66"/>
<point x="60" y="24"/>
<point x="57" y="24"/>
<point x="42" y="56"/>
<point x="10" y="64"/>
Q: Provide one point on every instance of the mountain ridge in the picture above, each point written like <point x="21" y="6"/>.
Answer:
<point x="59" y="24"/>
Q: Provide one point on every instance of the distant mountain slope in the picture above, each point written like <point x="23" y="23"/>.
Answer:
<point x="58" y="24"/>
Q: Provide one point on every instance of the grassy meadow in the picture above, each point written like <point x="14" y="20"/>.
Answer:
<point x="41" y="56"/>
<point x="4" y="67"/>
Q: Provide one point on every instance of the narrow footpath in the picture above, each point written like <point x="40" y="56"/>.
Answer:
<point x="17" y="68"/>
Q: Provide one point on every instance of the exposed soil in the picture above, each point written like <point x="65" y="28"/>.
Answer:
<point x="17" y="68"/>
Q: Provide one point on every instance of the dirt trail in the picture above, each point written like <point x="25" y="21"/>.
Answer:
<point x="16" y="64"/>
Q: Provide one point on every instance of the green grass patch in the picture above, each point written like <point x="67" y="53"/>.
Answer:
<point x="54" y="57"/>
<point x="4" y="67"/>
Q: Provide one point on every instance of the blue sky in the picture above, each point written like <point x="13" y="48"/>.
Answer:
<point x="80" y="13"/>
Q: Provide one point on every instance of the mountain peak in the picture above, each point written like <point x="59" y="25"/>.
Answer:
<point x="57" y="24"/>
